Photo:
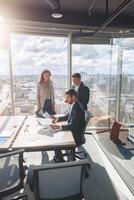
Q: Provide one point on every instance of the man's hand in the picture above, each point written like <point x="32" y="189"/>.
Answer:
<point x="54" y="119"/>
<point x="55" y="126"/>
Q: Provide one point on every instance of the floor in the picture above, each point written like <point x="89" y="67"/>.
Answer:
<point x="99" y="185"/>
<point x="104" y="183"/>
<point x="121" y="156"/>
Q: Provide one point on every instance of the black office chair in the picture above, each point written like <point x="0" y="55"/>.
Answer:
<point x="11" y="174"/>
<point x="60" y="181"/>
<point x="88" y="116"/>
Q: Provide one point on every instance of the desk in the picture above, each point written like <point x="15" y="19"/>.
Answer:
<point x="12" y="123"/>
<point x="31" y="137"/>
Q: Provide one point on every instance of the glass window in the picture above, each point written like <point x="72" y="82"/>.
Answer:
<point x="5" y="95"/>
<point x="93" y="63"/>
<point x="126" y="77"/>
<point x="120" y="150"/>
<point x="127" y="82"/>
<point x="31" y="54"/>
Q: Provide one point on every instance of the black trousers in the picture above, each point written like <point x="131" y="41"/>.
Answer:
<point x="48" y="107"/>
<point x="58" y="155"/>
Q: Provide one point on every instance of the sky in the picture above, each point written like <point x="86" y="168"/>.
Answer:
<point x="32" y="54"/>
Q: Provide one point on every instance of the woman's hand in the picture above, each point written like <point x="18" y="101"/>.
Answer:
<point x="38" y="109"/>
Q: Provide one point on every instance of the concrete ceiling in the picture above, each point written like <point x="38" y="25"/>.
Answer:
<point x="75" y="12"/>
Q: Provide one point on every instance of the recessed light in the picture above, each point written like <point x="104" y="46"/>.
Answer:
<point x="57" y="14"/>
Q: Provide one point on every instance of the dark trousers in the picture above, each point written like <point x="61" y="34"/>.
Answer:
<point x="58" y="155"/>
<point x="48" y="107"/>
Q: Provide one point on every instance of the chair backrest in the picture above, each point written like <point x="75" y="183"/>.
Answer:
<point x="115" y="131"/>
<point x="11" y="172"/>
<point x="88" y="116"/>
<point x="60" y="180"/>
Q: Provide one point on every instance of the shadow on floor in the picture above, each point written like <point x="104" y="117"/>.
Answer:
<point x="98" y="185"/>
<point x="118" y="155"/>
<point x="120" y="151"/>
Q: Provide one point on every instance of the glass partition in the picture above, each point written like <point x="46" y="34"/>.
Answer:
<point x="127" y="82"/>
<point x="120" y="147"/>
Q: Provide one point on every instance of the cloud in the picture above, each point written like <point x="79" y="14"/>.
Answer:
<point x="31" y="54"/>
<point x="39" y="52"/>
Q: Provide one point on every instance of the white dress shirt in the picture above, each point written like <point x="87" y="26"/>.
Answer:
<point x="76" y="87"/>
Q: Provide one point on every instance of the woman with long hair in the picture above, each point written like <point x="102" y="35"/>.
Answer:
<point x="45" y="93"/>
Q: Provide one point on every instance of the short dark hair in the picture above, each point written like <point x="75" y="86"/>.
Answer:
<point x="76" y="75"/>
<point x="71" y="92"/>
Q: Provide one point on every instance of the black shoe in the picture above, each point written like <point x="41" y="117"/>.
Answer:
<point x="57" y="160"/>
<point x="119" y="142"/>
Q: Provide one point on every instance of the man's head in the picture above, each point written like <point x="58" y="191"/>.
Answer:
<point x="71" y="96"/>
<point x="76" y="78"/>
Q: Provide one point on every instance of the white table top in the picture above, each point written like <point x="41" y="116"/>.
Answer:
<point x="11" y="124"/>
<point x="33" y="136"/>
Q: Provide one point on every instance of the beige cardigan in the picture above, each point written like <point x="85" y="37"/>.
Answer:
<point x="41" y="96"/>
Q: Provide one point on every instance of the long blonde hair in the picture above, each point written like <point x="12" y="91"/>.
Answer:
<point x="42" y="73"/>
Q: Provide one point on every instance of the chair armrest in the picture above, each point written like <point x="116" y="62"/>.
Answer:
<point x="62" y="165"/>
<point x="11" y="153"/>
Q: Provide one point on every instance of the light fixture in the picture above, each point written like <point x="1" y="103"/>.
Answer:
<point x="56" y="13"/>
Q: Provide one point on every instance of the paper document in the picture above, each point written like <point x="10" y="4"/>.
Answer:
<point x="59" y="115"/>
<point x="48" y="131"/>
<point x="39" y="115"/>
<point x="46" y="115"/>
<point x="59" y="135"/>
<point x="6" y="133"/>
<point x="44" y="122"/>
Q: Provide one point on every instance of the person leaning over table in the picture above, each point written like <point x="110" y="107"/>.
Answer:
<point x="75" y="121"/>
<point x="45" y="93"/>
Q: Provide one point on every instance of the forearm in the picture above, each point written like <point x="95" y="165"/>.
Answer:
<point x="66" y="127"/>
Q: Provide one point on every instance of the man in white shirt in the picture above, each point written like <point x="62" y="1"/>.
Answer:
<point x="82" y="90"/>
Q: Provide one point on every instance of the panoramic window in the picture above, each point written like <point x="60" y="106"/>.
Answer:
<point x="124" y="49"/>
<point x="5" y="94"/>
<point x="30" y="56"/>
<point x="93" y="63"/>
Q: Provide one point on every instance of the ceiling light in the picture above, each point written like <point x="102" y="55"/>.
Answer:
<point x="57" y="14"/>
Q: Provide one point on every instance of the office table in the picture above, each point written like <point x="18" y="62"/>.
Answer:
<point x="31" y="136"/>
<point x="12" y="124"/>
